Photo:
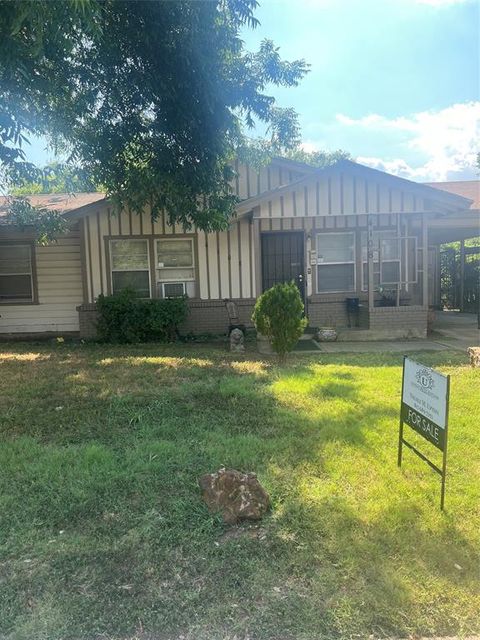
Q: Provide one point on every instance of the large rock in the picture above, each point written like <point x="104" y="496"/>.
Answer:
<point x="474" y="353"/>
<point x="237" y="496"/>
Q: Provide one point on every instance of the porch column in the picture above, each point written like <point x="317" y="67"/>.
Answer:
<point x="438" y="277"/>
<point x="462" y="276"/>
<point x="257" y="259"/>
<point x="424" y="260"/>
<point x="370" y="261"/>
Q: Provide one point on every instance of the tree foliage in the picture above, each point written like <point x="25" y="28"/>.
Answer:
<point x="46" y="223"/>
<point x="56" y="177"/>
<point x="319" y="159"/>
<point x="152" y="96"/>
<point x="278" y="315"/>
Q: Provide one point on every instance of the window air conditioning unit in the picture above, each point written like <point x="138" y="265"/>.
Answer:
<point x="172" y="289"/>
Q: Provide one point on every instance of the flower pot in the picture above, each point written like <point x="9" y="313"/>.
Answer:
<point x="327" y="334"/>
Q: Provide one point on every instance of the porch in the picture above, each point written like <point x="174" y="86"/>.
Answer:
<point x="365" y="275"/>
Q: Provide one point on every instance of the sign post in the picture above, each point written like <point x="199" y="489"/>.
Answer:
<point x="424" y="408"/>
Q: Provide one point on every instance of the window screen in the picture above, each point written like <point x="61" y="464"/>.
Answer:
<point x="130" y="266"/>
<point x="387" y="249"/>
<point x="16" y="273"/>
<point x="335" y="262"/>
<point x="175" y="260"/>
<point x="336" y="247"/>
<point x="174" y="253"/>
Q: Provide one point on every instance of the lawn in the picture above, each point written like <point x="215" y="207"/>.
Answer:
<point x="103" y="534"/>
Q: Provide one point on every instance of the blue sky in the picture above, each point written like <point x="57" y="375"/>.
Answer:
<point x="394" y="82"/>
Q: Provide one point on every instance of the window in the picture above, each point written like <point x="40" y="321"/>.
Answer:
<point x="16" y="278"/>
<point x="386" y="258"/>
<point x="335" y="262"/>
<point x="175" y="259"/>
<point x="175" y="264"/>
<point x="130" y="266"/>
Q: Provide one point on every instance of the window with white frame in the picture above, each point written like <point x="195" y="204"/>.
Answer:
<point x="130" y="266"/>
<point x="175" y="262"/>
<point x="16" y="275"/>
<point x="386" y="258"/>
<point x="335" y="262"/>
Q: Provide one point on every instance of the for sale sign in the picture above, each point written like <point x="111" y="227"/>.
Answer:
<point x="424" y="401"/>
<point x="424" y="407"/>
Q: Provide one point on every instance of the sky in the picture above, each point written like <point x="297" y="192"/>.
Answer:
<point x="393" y="82"/>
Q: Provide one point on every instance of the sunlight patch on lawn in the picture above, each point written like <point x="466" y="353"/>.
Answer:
<point x="23" y="357"/>
<point x="165" y="361"/>
<point x="253" y="367"/>
<point x="318" y="396"/>
<point x="78" y="376"/>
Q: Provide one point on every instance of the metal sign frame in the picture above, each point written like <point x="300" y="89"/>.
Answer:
<point x="442" y="445"/>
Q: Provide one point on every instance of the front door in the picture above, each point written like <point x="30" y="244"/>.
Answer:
<point x="283" y="259"/>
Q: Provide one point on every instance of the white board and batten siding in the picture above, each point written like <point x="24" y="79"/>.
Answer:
<point x="339" y="195"/>
<point x="70" y="272"/>
<point x="251" y="181"/>
<point x="224" y="261"/>
<point x="59" y="285"/>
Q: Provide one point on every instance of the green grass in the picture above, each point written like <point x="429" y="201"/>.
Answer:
<point x="102" y="530"/>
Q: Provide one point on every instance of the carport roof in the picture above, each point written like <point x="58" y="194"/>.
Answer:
<point x="466" y="188"/>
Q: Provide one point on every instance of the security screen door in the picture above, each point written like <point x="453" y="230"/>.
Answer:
<point x="283" y="259"/>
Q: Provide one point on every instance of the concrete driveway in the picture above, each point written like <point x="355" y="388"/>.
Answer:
<point x="456" y="330"/>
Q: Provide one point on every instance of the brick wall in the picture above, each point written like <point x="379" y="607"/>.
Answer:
<point x="205" y="316"/>
<point x="332" y="312"/>
<point x="87" y="317"/>
<point x="408" y="322"/>
<point x="210" y="316"/>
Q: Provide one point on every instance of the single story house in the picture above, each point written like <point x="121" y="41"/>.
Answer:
<point x="343" y="232"/>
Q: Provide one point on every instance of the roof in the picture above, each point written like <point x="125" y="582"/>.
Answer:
<point x="461" y="193"/>
<point x="64" y="202"/>
<point x="466" y="188"/>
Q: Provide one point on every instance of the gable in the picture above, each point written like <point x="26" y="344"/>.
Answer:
<point x="251" y="181"/>
<point x="348" y="188"/>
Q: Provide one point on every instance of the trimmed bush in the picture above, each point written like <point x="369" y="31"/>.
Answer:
<point x="124" y="318"/>
<point x="278" y="315"/>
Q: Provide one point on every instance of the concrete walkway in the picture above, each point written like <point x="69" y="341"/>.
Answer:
<point x="381" y="346"/>
<point x="451" y="330"/>
<point x="456" y="330"/>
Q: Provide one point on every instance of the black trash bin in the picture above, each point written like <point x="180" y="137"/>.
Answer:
<point x="353" y="310"/>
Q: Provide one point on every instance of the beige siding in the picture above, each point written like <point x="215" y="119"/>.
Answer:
<point x="339" y="195"/>
<point x="224" y="261"/>
<point x="250" y="181"/>
<point x="202" y="271"/>
<point x="234" y="261"/>
<point x="59" y="281"/>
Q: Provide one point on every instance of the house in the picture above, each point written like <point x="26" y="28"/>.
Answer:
<point x="344" y="232"/>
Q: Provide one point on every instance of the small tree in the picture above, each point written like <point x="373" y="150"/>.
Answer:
<point x="278" y="315"/>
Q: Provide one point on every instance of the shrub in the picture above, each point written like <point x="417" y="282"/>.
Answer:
<point x="124" y="318"/>
<point x="278" y="315"/>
